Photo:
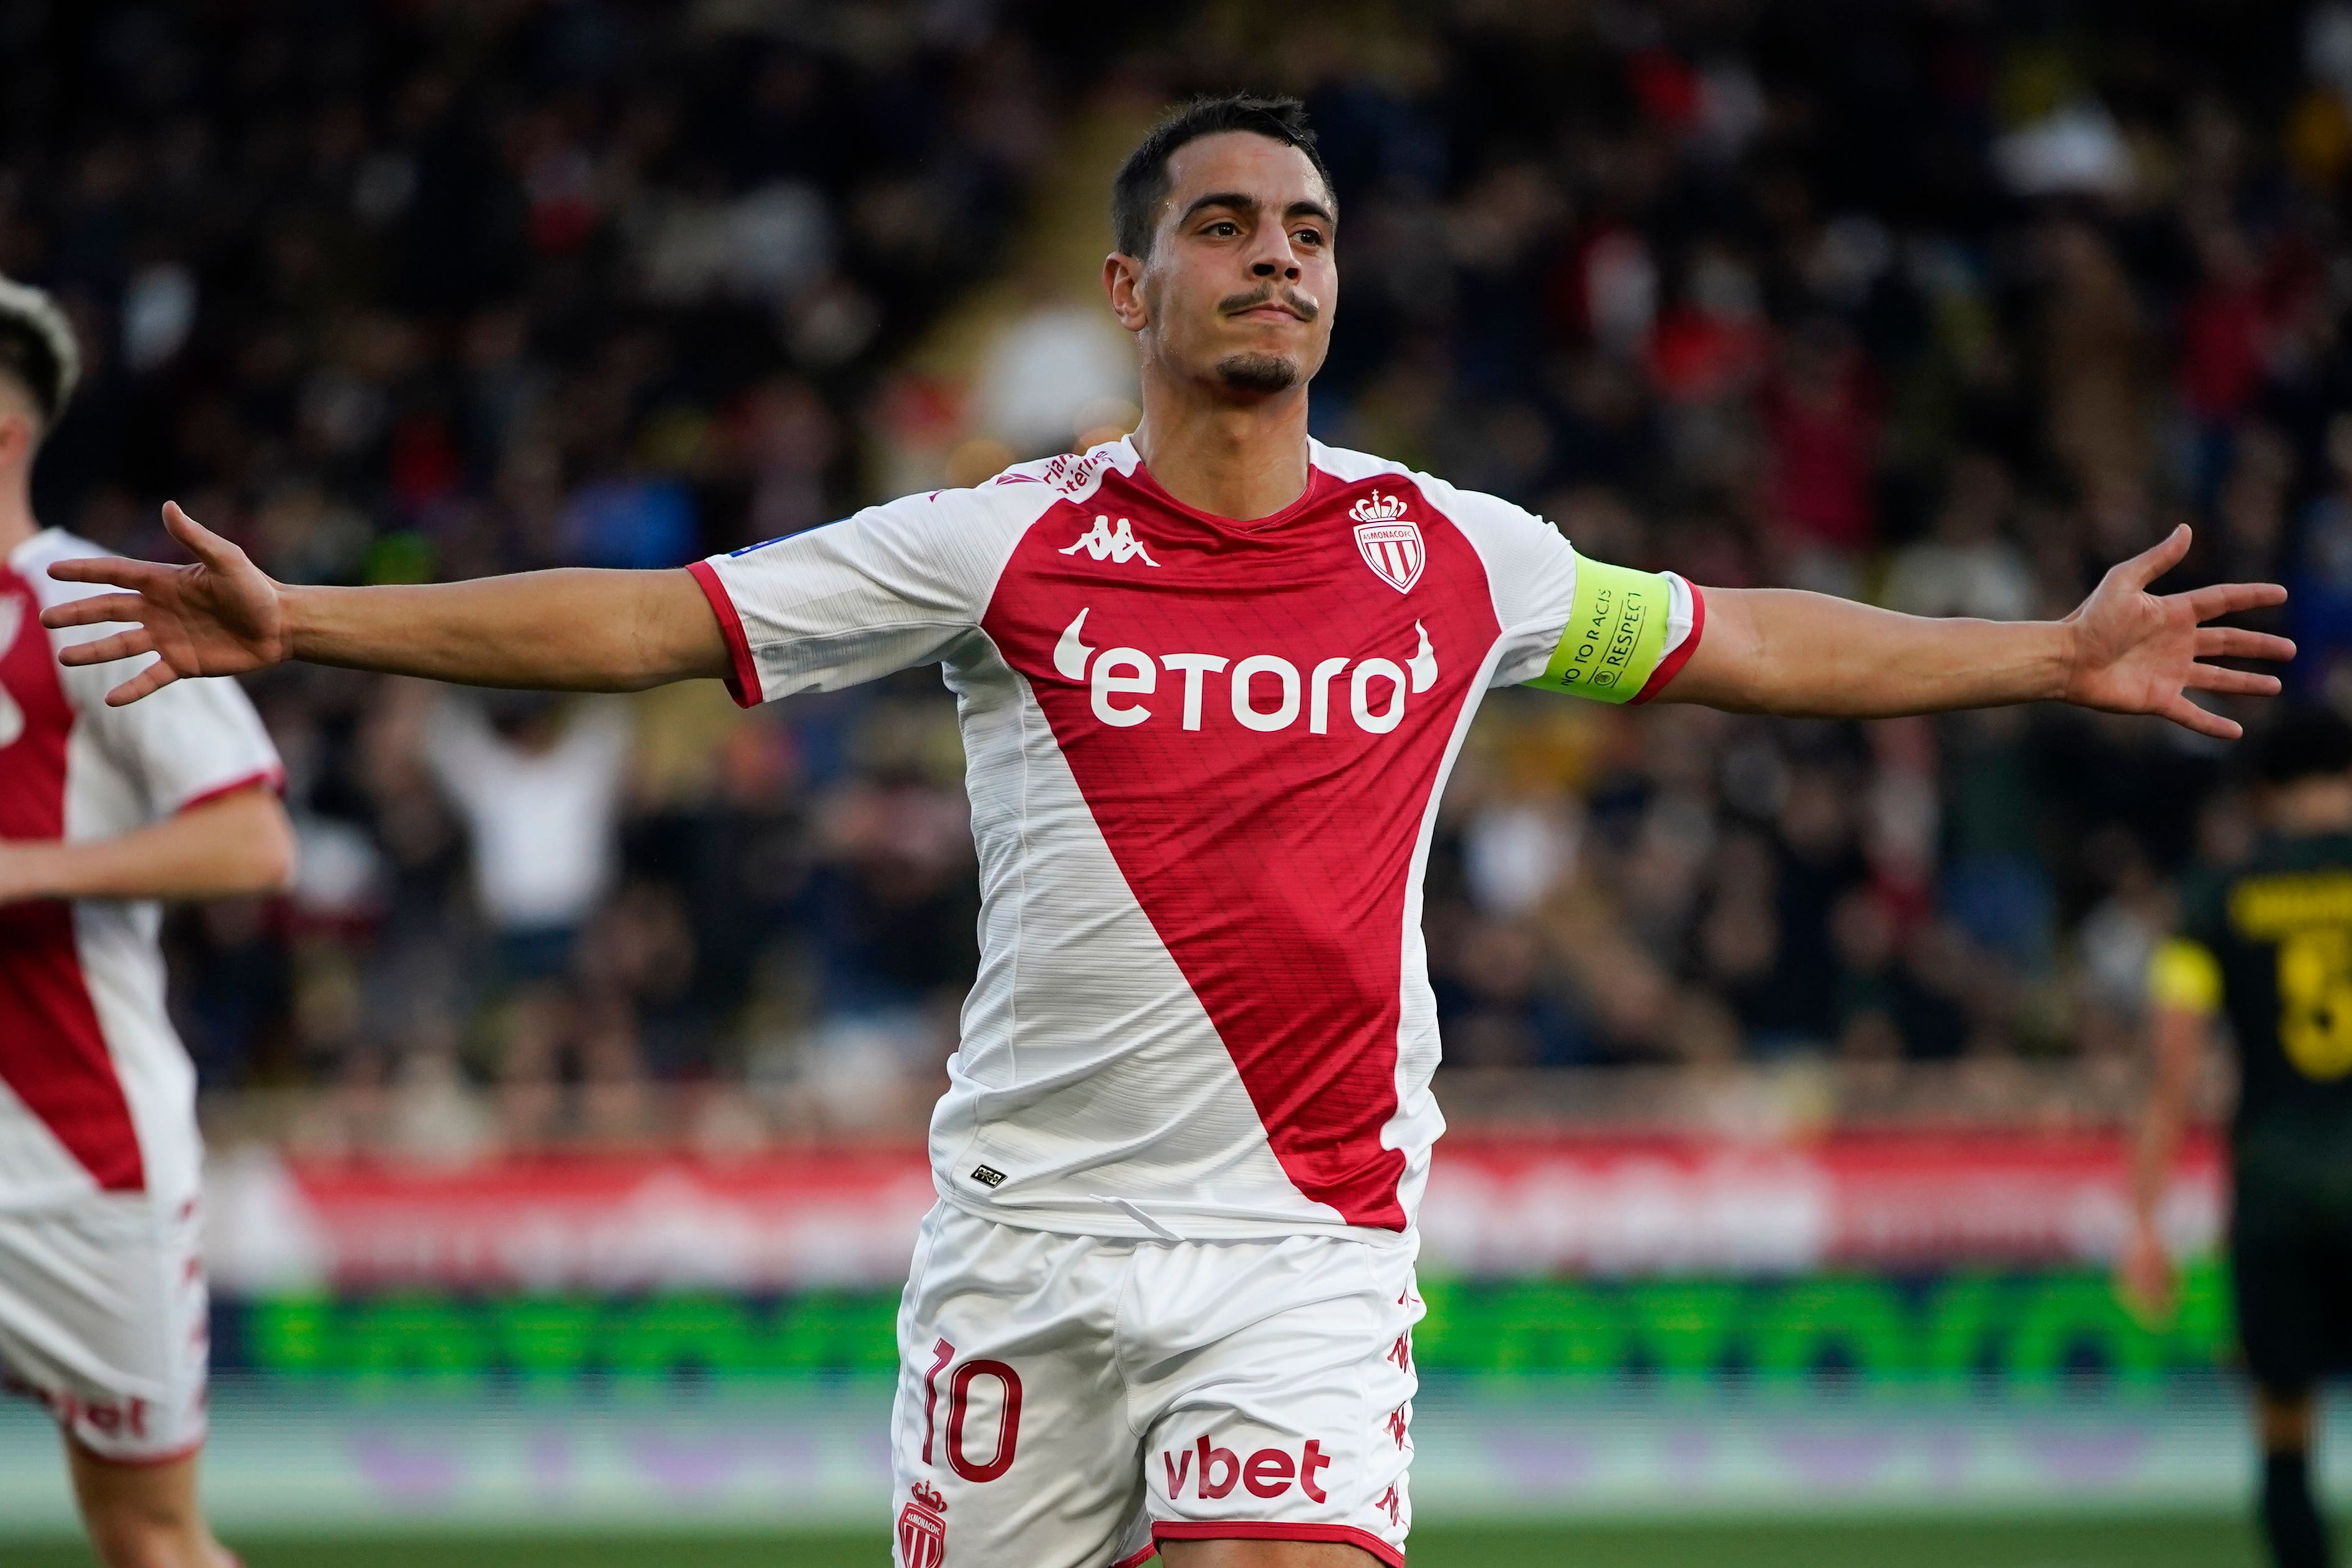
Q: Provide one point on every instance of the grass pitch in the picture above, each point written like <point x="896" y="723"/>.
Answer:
<point x="2137" y="1542"/>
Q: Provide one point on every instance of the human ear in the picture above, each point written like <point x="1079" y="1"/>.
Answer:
<point x="1123" y="281"/>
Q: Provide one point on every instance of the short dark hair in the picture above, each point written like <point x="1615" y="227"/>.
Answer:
<point x="27" y="356"/>
<point x="1142" y="183"/>
<point x="2304" y="742"/>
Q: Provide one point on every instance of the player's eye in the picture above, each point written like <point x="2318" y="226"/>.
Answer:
<point x="1308" y="236"/>
<point x="1224" y="227"/>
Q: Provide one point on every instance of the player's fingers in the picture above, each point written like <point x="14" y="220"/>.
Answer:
<point x="113" y="569"/>
<point x="106" y="650"/>
<point x="97" y="610"/>
<point x="2158" y="558"/>
<point x="152" y="679"/>
<point x="2189" y="716"/>
<point x="2228" y="598"/>
<point x="203" y="543"/>
<point x="2234" y="643"/>
<point x="2239" y="682"/>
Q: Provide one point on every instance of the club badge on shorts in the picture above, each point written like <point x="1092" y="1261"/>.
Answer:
<point x="923" y="1528"/>
<point x="1391" y="541"/>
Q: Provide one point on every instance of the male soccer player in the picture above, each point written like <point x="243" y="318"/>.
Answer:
<point x="1211" y="680"/>
<point x="103" y="812"/>
<point x="2269" y="946"/>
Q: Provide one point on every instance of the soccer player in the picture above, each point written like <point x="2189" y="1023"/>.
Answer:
<point x="104" y="810"/>
<point x="1210" y="679"/>
<point x="2268" y="944"/>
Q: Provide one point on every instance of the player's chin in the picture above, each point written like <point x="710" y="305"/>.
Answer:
<point x="1259" y="372"/>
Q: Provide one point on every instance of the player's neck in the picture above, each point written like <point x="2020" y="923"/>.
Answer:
<point x="1242" y="462"/>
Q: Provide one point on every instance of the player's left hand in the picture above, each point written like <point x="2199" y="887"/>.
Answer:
<point x="2136" y="651"/>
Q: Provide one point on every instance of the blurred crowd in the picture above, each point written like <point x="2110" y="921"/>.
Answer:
<point x="1944" y="304"/>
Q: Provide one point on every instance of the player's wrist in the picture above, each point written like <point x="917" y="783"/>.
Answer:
<point x="2062" y="669"/>
<point x="299" y="617"/>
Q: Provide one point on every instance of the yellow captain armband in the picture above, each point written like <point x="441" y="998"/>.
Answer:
<point x="2185" y="975"/>
<point x="1616" y="636"/>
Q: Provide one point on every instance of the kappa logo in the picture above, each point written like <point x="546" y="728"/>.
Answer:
<point x="1389" y="540"/>
<point x="923" y="1528"/>
<point x="1105" y="542"/>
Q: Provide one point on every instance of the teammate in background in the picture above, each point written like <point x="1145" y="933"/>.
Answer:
<point x="2268" y="944"/>
<point x="1210" y="679"/>
<point x="103" y="812"/>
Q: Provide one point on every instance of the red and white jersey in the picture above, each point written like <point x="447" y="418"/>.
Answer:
<point x="1203" y="757"/>
<point x="96" y="1094"/>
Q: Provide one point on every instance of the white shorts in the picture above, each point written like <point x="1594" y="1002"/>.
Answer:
<point x="103" y="1318"/>
<point x="1071" y="1401"/>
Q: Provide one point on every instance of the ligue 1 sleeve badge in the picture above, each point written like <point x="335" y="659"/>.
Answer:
<point x="1389" y="540"/>
<point x="923" y="1528"/>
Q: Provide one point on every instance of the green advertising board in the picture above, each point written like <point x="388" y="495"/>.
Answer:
<point x="2012" y="1326"/>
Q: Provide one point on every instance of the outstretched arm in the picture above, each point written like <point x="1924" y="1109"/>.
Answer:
<point x="2124" y="650"/>
<point x="572" y="630"/>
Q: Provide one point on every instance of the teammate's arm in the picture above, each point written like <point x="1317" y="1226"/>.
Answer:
<point x="571" y="630"/>
<point x="2124" y="650"/>
<point x="2184" y="994"/>
<point x="240" y="844"/>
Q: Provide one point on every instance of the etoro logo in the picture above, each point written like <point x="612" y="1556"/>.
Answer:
<point x="1265" y="692"/>
<point x="1105" y="542"/>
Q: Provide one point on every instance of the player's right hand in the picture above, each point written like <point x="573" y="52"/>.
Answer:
<point x="221" y="616"/>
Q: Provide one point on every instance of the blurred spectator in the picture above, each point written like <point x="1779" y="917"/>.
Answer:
<point x="540" y="790"/>
<point x="1946" y="308"/>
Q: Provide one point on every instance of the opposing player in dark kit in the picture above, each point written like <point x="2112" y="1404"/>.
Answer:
<point x="2267" y="947"/>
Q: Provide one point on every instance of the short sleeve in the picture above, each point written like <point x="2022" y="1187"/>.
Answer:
<point x="893" y="587"/>
<point x="1570" y="624"/>
<point x="193" y="741"/>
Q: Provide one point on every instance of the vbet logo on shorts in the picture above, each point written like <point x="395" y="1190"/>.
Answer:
<point x="1267" y="1473"/>
<point x="1268" y="693"/>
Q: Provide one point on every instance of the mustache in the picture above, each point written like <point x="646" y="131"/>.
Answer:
<point x="1290" y="299"/>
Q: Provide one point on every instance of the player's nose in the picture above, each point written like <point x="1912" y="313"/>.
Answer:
<point x="1275" y="261"/>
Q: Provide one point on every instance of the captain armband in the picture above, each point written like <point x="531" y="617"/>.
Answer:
<point x="1617" y="635"/>
<point x="2185" y="975"/>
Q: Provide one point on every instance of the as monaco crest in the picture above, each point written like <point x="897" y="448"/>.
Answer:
<point x="1391" y="541"/>
<point x="923" y="1530"/>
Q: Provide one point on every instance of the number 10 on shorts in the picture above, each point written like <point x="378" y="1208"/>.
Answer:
<point x="960" y="1383"/>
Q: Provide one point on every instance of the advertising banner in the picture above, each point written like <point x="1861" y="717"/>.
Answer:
<point x="846" y="1217"/>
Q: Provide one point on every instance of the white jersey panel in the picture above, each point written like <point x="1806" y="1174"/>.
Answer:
<point x="1091" y="1092"/>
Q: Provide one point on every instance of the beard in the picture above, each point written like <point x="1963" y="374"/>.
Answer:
<point x="1258" y="372"/>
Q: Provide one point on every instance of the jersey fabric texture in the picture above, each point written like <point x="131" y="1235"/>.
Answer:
<point x="101" y="1293"/>
<point x="2269" y="944"/>
<point x="1203" y="758"/>
<point x="1071" y="1401"/>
